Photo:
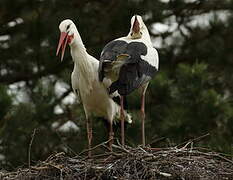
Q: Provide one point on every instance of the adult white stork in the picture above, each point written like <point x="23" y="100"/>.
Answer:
<point x="85" y="83"/>
<point x="129" y="63"/>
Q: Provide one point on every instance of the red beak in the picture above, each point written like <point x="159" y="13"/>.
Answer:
<point x="136" y="27"/>
<point x="62" y="44"/>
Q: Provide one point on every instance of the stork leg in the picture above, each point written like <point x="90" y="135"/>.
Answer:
<point x="143" y="115"/>
<point x="111" y="135"/>
<point x="143" y="118"/>
<point x="122" y="122"/>
<point x="89" y="135"/>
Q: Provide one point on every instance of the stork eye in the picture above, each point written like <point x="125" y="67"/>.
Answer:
<point x="68" y="27"/>
<point x="131" y="34"/>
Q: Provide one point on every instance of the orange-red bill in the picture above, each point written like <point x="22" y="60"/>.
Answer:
<point x="62" y="44"/>
<point x="136" y="27"/>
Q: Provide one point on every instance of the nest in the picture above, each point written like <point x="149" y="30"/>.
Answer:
<point x="131" y="163"/>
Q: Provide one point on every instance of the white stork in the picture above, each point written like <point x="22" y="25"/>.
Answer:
<point x="85" y="83"/>
<point x="129" y="63"/>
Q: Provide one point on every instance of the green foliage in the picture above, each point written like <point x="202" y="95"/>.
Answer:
<point x="191" y="94"/>
<point x="5" y="102"/>
<point x="195" y="106"/>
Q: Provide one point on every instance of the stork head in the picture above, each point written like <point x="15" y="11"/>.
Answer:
<point x="137" y="27"/>
<point x="67" y="30"/>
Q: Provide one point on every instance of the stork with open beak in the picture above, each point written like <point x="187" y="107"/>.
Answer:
<point x="130" y="62"/>
<point x="85" y="83"/>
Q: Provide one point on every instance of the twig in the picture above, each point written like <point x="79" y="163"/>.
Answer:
<point x="156" y="149"/>
<point x="87" y="150"/>
<point x="30" y="147"/>
<point x="219" y="156"/>
<point x="100" y="155"/>
<point x="122" y="148"/>
<point x="201" y="137"/>
<point x="185" y="146"/>
<point x="165" y="174"/>
<point x="193" y="140"/>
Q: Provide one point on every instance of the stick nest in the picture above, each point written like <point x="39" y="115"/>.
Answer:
<point x="131" y="163"/>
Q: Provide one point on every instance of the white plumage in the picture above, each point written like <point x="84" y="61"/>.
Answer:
<point x="84" y="79"/>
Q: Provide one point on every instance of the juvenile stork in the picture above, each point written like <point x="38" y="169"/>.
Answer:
<point x="129" y="63"/>
<point x="85" y="83"/>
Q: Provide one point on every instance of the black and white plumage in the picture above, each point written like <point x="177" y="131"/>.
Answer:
<point x="129" y="63"/>
<point x="85" y="83"/>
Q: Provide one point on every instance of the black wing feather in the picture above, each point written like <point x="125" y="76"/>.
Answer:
<point x="135" y="72"/>
<point x="110" y="52"/>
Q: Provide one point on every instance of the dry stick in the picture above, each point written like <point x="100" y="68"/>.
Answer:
<point x="101" y="144"/>
<point x="100" y="155"/>
<point x="54" y="155"/>
<point x="29" y="149"/>
<point x="216" y="155"/>
<point x="222" y="157"/>
<point x="122" y="148"/>
<point x="201" y="137"/>
<point x="192" y="140"/>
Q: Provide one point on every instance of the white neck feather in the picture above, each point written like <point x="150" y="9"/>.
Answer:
<point x="146" y="34"/>
<point x="82" y="62"/>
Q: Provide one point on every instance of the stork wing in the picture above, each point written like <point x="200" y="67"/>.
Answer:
<point x="138" y="69"/>
<point x="109" y="54"/>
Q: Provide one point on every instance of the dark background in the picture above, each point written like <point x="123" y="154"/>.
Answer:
<point x="190" y="96"/>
